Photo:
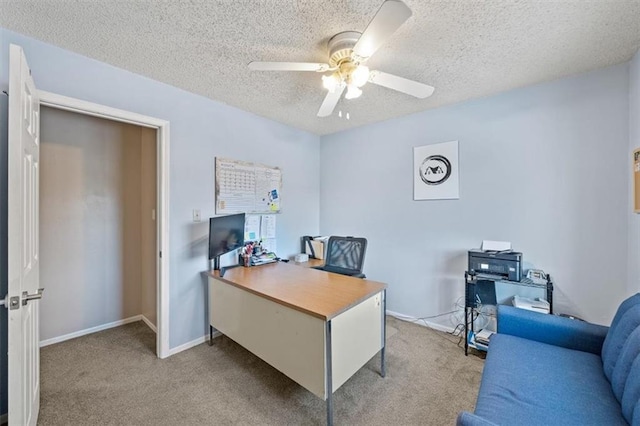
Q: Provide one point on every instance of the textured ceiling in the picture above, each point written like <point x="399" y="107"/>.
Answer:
<point x="465" y="49"/>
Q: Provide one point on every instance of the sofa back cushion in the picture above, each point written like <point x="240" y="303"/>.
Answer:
<point x="625" y="321"/>
<point x="631" y="396"/>
<point x="620" y="381"/>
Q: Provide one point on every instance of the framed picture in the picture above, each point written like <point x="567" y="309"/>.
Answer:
<point x="435" y="172"/>
<point x="636" y="181"/>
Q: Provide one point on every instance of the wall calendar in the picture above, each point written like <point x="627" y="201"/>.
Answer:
<point x="243" y="187"/>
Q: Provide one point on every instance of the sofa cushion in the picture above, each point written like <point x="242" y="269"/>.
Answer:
<point x="551" y="329"/>
<point x="616" y="338"/>
<point x="608" y="348"/>
<point x="631" y="394"/>
<point x="528" y="382"/>
<point x="628" y="354"/>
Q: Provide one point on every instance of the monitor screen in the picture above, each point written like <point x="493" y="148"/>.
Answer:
<point x="226" y="233"/>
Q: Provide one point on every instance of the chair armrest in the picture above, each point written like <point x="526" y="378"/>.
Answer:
<point x="468" y="419"/>
<point x="551" y="329"/>
<point x="339" y="270"/>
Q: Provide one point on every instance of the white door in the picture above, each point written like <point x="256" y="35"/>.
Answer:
<point x="24" y="279"/>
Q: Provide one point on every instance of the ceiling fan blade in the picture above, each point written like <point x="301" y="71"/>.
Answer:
<point x="288" y="66"/>
<point x="410" y="87"/>
<point x="391" y="15"/>
<point x="330" y="102"/>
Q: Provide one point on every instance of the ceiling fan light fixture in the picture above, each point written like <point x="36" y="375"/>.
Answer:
<point x="352" y="92"/>
<point x="331" y="82"/>
<point x="345" y="73"/>
<point x="360" y="76"/>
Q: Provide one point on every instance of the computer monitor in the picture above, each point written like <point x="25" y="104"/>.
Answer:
<point x="226" y="233"/>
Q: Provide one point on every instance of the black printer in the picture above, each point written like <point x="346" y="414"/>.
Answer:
<point x="506" y="265"/>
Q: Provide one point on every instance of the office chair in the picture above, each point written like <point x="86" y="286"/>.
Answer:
<point x="345" y="255"/>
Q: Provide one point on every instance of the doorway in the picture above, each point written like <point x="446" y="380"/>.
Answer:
<point x="97" y="225"/>
<point x="142" y="237"/>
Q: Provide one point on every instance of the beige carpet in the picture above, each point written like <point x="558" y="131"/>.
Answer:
<point x="114" y="377"/>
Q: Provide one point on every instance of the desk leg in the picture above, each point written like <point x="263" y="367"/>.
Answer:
<point x="550" y="294"/>
<point x="210" y="335"/>
<point x="384" y="332"/>
<point x="328" y="377"/>
<point x="466" y="330"/>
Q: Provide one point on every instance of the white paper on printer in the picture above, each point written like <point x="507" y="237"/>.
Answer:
<point x="484" y="334"/>
<point x="488" y="245"/>
<point x="537" y="305"/>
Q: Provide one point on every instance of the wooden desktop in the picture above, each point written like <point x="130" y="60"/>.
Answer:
<point x="316" y="327"/>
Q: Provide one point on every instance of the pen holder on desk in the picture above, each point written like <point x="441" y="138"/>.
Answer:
<point x="246" y="260"/>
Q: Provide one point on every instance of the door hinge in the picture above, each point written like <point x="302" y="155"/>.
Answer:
<point x="160" y="255"/>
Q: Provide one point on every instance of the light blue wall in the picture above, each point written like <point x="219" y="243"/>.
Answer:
<point x="544" y="167"/>
<point x="201" y="129"/>
<point x="3" y="250"/>
<point x="634" y="143"/>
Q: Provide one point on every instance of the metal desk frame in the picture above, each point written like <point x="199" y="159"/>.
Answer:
<point x="471" y="281"/>
<point x="239" y="289"/>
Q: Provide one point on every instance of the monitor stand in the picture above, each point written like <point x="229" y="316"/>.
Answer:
<point x="216" y="266"/>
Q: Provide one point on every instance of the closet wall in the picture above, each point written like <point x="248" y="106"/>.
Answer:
<point x="94" y="181"/>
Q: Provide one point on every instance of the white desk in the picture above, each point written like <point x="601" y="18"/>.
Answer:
<point x="316" y="327"/>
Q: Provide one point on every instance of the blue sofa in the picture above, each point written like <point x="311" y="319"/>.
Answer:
<point x="550" y="370"/>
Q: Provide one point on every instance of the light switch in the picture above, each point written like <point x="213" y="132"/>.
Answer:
<point x="196" y="215"/>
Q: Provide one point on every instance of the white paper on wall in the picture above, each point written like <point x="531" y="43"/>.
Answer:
<point x="435" y="172"/>
<point x="268" y="227"/>
<point x="252" y="227"/>
<point x="270" y="245"/>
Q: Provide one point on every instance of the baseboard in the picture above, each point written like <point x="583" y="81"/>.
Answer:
<point x="193" y="343"/>
<point x="421" y="322"/>
<point x="86" y="331"/>
<point x="149" y="323"/>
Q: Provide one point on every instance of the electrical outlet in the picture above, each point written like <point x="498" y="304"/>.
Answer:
<point x="196" y="215"/>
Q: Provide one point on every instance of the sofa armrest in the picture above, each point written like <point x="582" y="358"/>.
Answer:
<point x="468" y="419"/>
<point x="551" y="329"/>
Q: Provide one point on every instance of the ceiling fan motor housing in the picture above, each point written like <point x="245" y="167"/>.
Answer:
<point x="341" y="47"/>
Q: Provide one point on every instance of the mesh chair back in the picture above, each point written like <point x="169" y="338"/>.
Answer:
<point x="345" y="255"/>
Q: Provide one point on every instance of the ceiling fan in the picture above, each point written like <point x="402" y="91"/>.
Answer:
<point x="348" y="51"/>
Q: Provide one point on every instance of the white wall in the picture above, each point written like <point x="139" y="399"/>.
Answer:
<point x="201" y="129"/>
<point x="90" y="222"/>
<point x="634" y="143"/>
<point x="545" y="167"/>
